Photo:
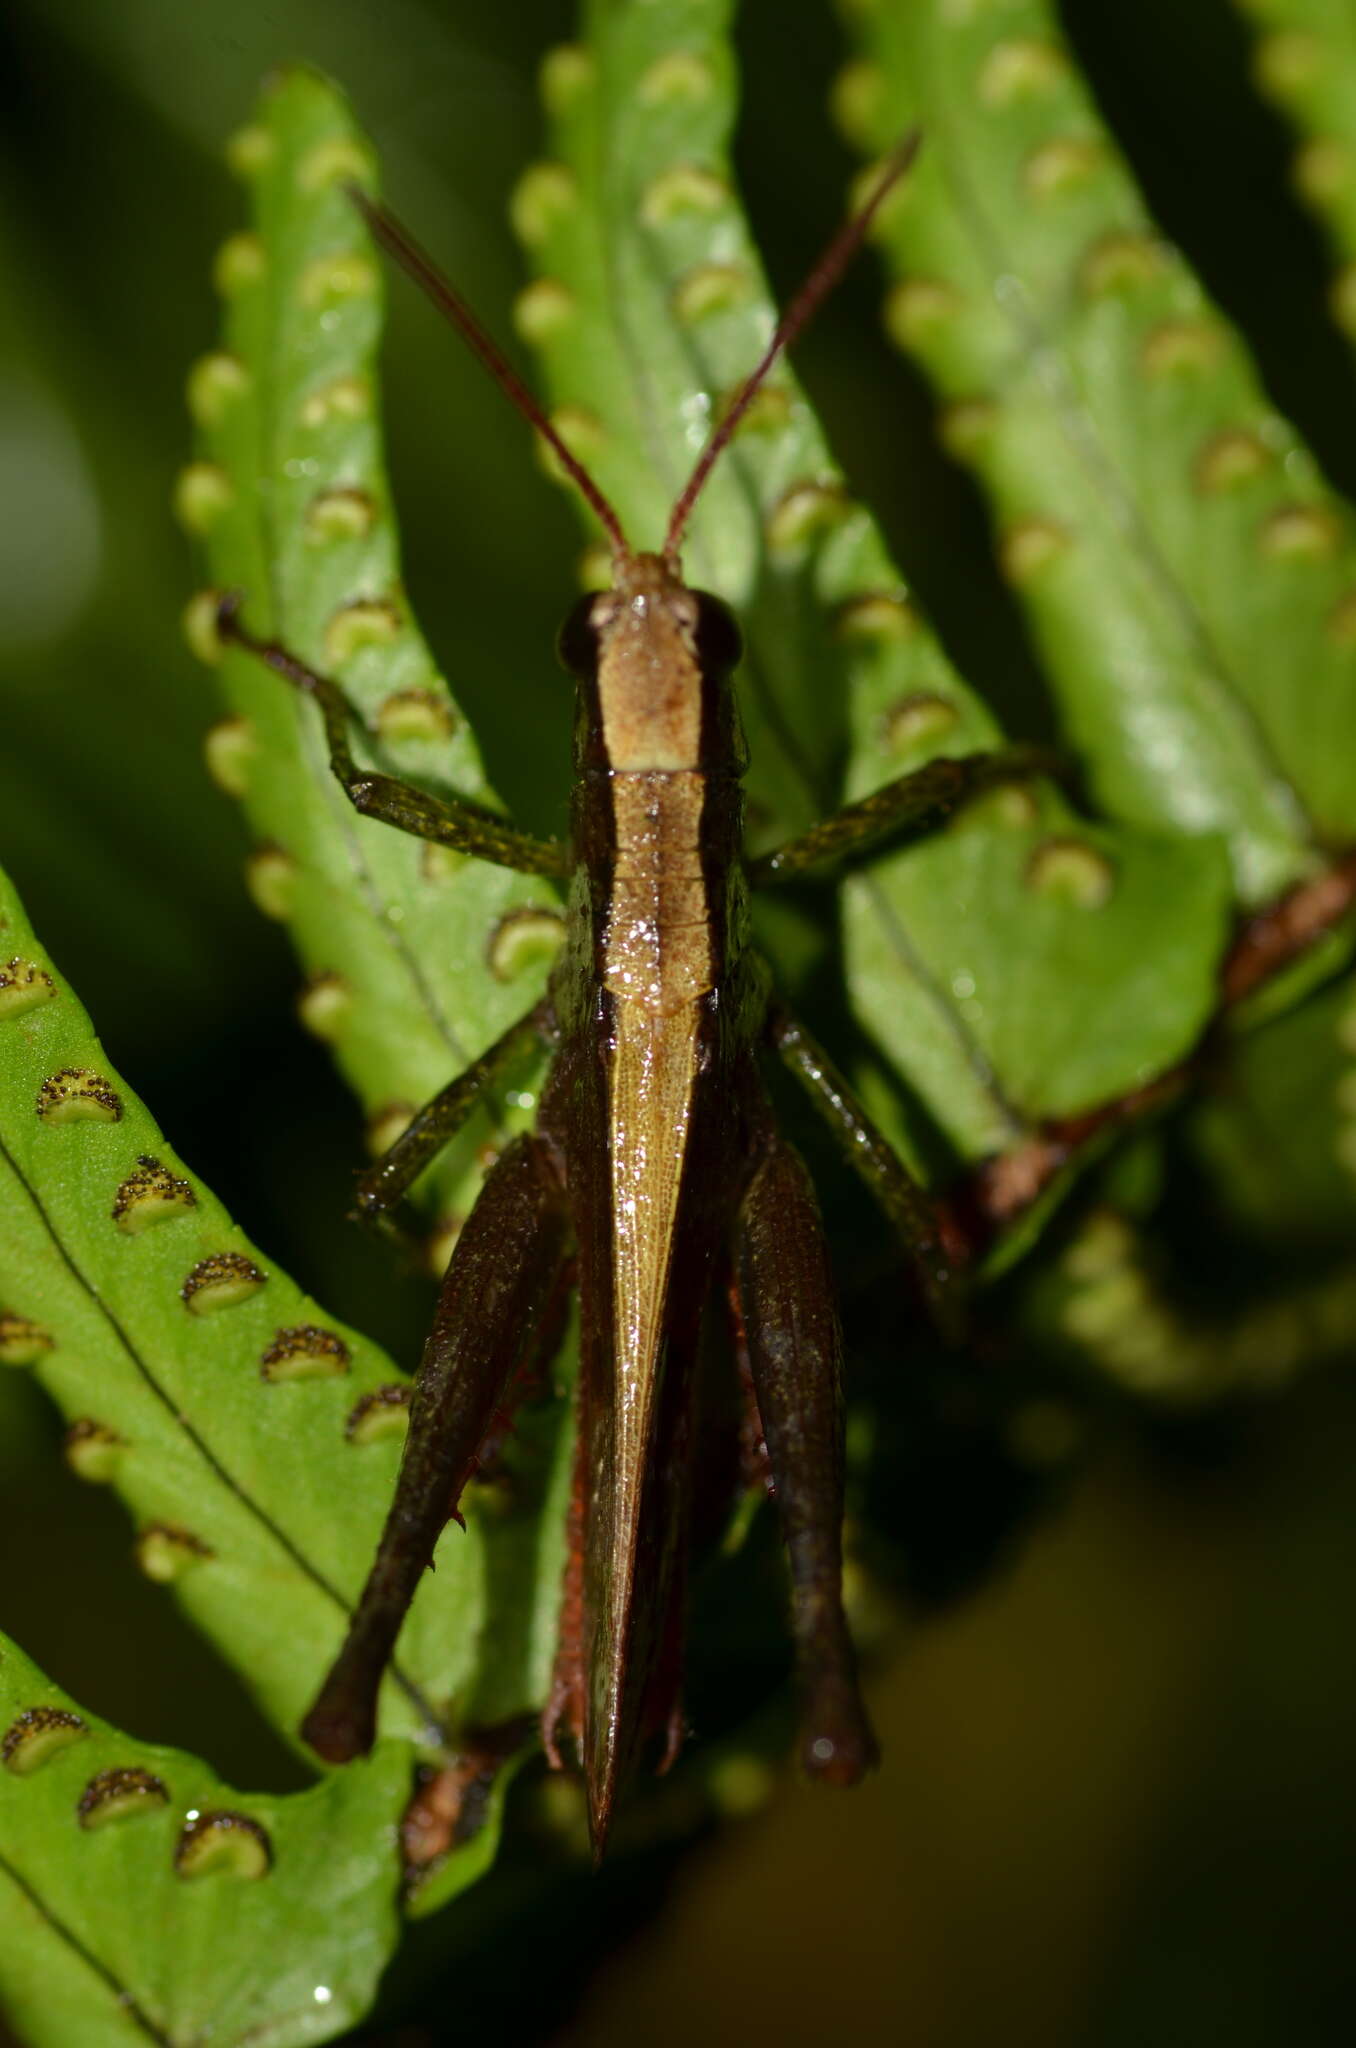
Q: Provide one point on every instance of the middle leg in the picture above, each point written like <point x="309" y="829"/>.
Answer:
<point x="384" y="1185"/>
<point x="906" y="1205"/>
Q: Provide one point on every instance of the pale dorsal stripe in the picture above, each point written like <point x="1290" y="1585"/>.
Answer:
<point x="657" y="967"/>
<point x="653" y="1079"/>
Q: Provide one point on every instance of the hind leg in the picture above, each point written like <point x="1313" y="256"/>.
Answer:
<point x="786" y="1299"/>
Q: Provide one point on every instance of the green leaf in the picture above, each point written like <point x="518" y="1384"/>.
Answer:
<point x="1020" y="964"/>
<point x="241" y="1424"/>
<point x="1188" y="576"/>
<point x="416" y="957"/>
<point x="1305" y="61"/>
<point x="143" y="1900"/>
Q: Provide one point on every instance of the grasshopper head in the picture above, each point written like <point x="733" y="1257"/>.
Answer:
<point x="653" y="652"/>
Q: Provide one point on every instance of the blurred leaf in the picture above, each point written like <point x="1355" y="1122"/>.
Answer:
<point x="1117" y="1302"/>
<point x="1305" y="60"/>
<point x="1188" y="576"/>
<point x="143" y="1899"/>
<point x="1278" y="1130"/>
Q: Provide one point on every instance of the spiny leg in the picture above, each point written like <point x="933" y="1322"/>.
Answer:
<point x="914" y="804"/>
<point x="448" y="821"/>
<point x="786" y="1300"/>
<point x="383" y="1185"/>
<point x="870" y="1155"/>
<point x="755" y="1472"/>
<point x="499" y="1285"/>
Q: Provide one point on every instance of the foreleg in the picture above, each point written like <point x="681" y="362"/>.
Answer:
<point x="446" y="820"/>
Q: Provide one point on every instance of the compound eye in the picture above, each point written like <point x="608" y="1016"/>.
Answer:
<point x="720" y="644"/>
<point x="577" y="641"/>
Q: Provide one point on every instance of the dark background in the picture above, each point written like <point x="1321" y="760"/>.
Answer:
<point x="1119" y="1803"/>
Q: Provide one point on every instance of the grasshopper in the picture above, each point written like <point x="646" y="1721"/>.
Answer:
<point x="656" y="1171"/>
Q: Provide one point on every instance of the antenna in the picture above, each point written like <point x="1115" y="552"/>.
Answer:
<point x="400" y="244"/>
<point x="805" y="304"/>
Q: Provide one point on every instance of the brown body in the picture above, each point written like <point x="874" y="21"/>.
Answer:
<point x="656" y="1166"/>
<point x="654" y="1109"/>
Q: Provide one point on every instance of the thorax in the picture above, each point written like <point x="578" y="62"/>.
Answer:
<point x="658" y="806"/>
